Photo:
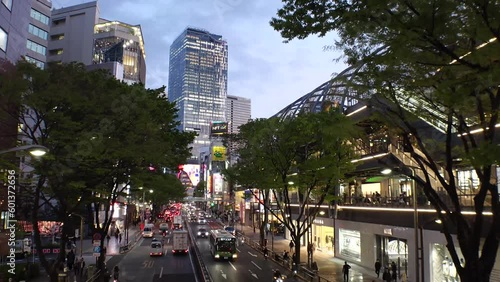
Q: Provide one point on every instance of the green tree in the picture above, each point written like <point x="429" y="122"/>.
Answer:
<point x="438" y="60"/>
<point x="306" y="157"/>
<point x="101" y="133"/>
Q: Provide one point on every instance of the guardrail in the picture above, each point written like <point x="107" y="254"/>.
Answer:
<point x="198" y="261"/>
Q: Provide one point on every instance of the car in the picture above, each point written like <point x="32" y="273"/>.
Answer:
<point x="230" y="229"/>
<point x="202" y="232"/>
<point x="164" y="228"/>
<point x="148" y="232"/>
<point x="156" y="248"/>
<point x="202" y="220"/>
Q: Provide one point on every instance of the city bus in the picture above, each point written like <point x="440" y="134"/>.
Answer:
<point x="223" y="245"/>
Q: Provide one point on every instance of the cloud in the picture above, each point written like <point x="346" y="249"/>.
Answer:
<point x="261" y="67"/>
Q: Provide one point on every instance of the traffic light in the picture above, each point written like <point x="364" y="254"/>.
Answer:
<point x="212" y="204"/>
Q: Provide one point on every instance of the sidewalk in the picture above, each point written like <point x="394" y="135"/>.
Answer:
<point x="330" y="267"/>
<point x="113" y="249"/>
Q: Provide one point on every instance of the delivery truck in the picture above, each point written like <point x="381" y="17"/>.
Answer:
<point x="180" y="241"/>
<point x="177" y="222"/>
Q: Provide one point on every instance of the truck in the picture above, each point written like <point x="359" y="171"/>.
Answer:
<point x="180" y="241"/>
<point x="177" y="224"/>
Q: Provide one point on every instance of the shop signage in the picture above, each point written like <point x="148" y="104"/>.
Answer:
<point x="318" y="221"/>
<point x="388" y="231"/>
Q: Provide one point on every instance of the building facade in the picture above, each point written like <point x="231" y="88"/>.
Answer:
<point x="77" y="34"/>
<point x="238" y="112"/>
<point x="38" y="33"/>
<point x="197" y="82"/>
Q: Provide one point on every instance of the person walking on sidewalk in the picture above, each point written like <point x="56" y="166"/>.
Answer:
<point x="345" y="270"/>
<point x="291" y="245"/>
<point x="378" y="265"/>
<point x="387" y="275"/>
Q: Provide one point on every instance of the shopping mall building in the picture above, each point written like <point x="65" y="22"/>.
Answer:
<point x="375" y="216"/>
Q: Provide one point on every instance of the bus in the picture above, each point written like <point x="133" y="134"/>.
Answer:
<point x="223" y="245"/>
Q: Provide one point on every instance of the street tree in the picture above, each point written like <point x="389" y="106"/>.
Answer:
<point x="101" y="133"/>
<point x="438" y="60"/>
<point x="303" y="159"/>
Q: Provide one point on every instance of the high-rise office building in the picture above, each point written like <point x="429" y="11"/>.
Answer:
<point x="77" y="34"/>
<point x="238" y="112"/>
<point x="38" y="32"/>
<point x="198" y="82"/>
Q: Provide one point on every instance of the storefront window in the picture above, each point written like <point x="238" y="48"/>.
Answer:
<point x="390" y="249"/>
<point x="442" y="267"/>
<point x="350" y="244"/>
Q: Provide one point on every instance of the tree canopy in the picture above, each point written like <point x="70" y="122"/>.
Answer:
<point x="301" y="160"/>
<point x="438" y="60"/>
<point x="102" y="135"/>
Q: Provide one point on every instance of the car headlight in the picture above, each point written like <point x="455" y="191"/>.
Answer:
<point x="217" y="256"/>
<point x="206" y="233"/>
<point x="235" y="255"/>
<point x="199" y="233"/>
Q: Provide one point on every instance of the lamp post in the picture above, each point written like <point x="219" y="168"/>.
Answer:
<point x="35" y="150"/>
<point x="415" y="218"/>
<point x="81" y="232"/>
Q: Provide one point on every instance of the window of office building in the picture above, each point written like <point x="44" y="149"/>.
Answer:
<point x="38" y="63"/>
<point x="39" y="16"/>
<point x="37" y="32"/>
<point x="7" y="3"/>
<point x="36" y="47"/>
<point x="3" y="40"/>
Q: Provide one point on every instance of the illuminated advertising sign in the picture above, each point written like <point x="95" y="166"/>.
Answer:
<point x="218" y="128"/>
<point x="218" y="153"/>
<point x="193" y="171"/>
<point x="217" y="183"/>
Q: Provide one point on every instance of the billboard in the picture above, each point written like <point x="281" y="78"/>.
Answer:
<point x="218" y="153"/>
<point x="218" y="182"/>
<point x="218" y="128"/>
<point x="193" y="171"/>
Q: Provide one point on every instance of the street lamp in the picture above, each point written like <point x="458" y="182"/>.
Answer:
<point x="415" y="217"/>
<point x="81" y="232"/>
<point x="35" y="150"/>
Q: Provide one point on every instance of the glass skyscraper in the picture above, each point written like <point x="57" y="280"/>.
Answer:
<point x="197" y="82"/>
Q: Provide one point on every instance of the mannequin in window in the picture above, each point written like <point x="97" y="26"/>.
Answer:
<point x="446" y="267"/>
<point x="453" y="271"/>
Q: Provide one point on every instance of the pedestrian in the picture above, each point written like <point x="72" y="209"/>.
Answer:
<point x="77" y="267"/>
<point x="266" y="252"/>
<point x="345" y="270"/>
<point x="291" y="245"/>
<point x="394" y="271"/>
<point x="120" y="236"/>
<point x="108" y="238"/>
<point x="378" y="265"/>
<point x="387" y="275"/>
<point x="82" y="266"/>
<point x="70" y="259"/>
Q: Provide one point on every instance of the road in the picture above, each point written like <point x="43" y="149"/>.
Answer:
<point x="250" y="265"/>
<point x="137" y="265"/>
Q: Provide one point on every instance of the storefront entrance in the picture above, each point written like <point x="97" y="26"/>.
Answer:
<point x="391" y="249"/>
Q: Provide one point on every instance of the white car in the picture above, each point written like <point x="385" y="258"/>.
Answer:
<point x="202" y="220"/>
<point x="156" y="248"/>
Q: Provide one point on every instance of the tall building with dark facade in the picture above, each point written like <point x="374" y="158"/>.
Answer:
<point x="77" y="34"/>
<point x="198" y="82"/>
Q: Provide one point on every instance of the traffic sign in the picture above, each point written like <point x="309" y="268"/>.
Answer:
<point x="97" y="236"/>
<point x="97" y="251"/>
<point x="97" y="243"/>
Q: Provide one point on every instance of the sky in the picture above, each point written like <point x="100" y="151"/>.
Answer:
<point x="261" y="67"/>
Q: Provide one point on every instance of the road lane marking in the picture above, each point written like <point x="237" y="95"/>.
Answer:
<point x="256" y="265"/>
<point x="232" y="265"/>
<point x="161" y="272"/>
<point x="223" y="274"/>
<point x="252" y="255"/>
<point x="254" y="275"/>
